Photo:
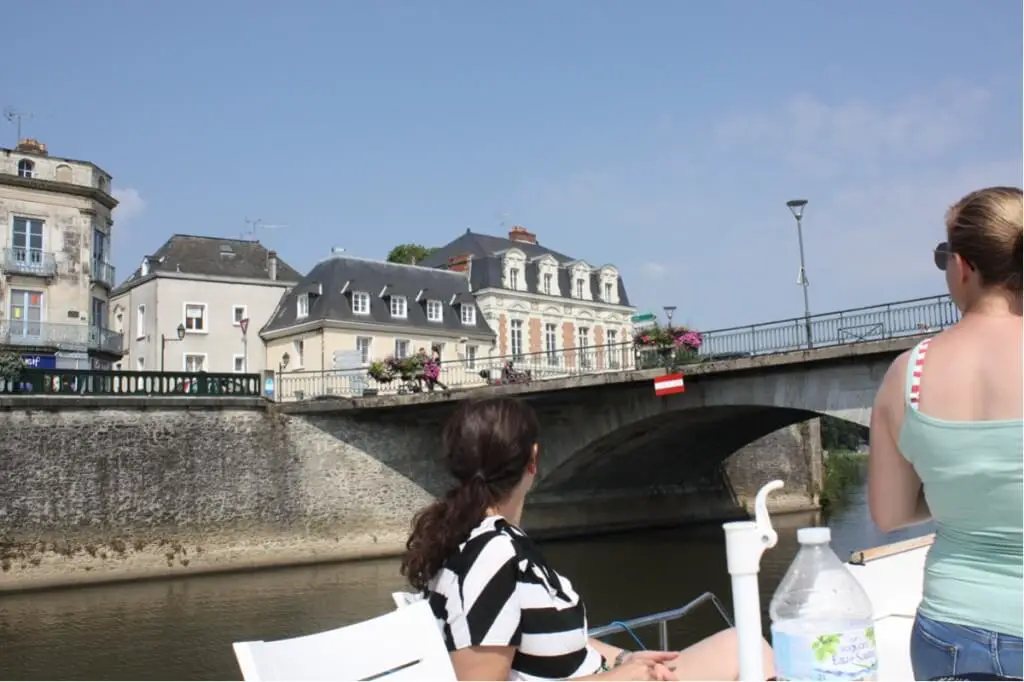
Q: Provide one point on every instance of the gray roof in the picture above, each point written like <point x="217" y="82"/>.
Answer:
<point x="329" y="278"/>
<point x="486" y="270"/>
<point x="213" y="257"/>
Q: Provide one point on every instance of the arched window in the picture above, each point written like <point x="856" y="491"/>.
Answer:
<point x="26" y="169"/>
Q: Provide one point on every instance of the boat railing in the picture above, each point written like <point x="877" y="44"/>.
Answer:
<point x="661" y="619"/>
<point x="865" y="556"/>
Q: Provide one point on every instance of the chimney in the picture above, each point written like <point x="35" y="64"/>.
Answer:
<point x="518" y="233"/>
<point x="459" y="263"/>
<point x="31" y="146"/>
<point x="272" y="264"/>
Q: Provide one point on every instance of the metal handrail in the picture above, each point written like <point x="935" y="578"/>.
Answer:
<point x="661" y="619"/>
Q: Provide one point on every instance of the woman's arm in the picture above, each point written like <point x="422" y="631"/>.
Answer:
<point x="611" y="653"/>
<point x="895" y="494"/>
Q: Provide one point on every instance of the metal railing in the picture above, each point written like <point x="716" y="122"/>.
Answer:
<point x="27" y="333"/>
<point x="103" y="273"/>
<point x="125" y="383"/>
<point x="24" y="261"/>
<point x="872" y="323"/>
<point x="661" y="619"/>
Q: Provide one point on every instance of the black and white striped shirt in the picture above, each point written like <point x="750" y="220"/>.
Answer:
<point x="497" y="590"/>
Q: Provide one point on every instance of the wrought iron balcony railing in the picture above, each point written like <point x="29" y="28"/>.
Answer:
<point x="33" y="262"/>
<point x="26" y="333"/>
<point x="103" y="273"/>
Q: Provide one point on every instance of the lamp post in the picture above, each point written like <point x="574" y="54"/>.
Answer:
<point x="163" y="343"/>
<point x="670" y="353"/>
<point x="796" y="206"/>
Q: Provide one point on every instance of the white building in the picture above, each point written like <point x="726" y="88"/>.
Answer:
<point x="183" y="309"/>
<point x="55" y="215"/>
<point x="544" y="306"/>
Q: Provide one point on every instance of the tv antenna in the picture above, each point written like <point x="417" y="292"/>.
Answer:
<point x="253" y="228"/>
<point x="17" y="117"/>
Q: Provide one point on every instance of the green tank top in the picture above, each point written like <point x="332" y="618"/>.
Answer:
<point x="974" y="484"/>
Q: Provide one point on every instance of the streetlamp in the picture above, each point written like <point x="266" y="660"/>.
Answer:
<point x="670" y="352"/>
<point x="796" y="206"/>
<point x="163" y="343"/>
<point x="670" y="310"/>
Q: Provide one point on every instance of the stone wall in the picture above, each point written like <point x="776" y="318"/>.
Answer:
<point x="175" y="487"/>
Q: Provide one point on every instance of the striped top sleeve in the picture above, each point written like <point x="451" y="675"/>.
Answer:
<point x="486" y="609"/>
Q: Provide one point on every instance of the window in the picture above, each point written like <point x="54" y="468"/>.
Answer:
<point x="140" y="364"/>
<point x="302" y="306"/>
<point x="363" y="345"/>
<point x="547" y="283"/>
<point x="434" y="311"/>
<point x="468" y="314"/>
<point x="27" y="241"/>
<point x="100" y="246"/>
<point x="26" y="313"/>
<point x="140" y="321"/>
<point x="298" y="348"/>
<point x="195" y="362"/>
<point x="99" y="318"/>
<point x="401" y="348"/>
<point x="238" y="363"/>
<point x="398" y="307"/>
<point x="195" y="318"/>
<point x="513" y="278"/>
<point x="582" y="337"/>
<point x="238" y="313"/>
<point x="470" y="357"/>
<point x="551" y="342"/>
<point x="516" y="337"/>
<point x="439" y="345"/>
<point x="608" y="292"/>
<point x="26" y="169"/>
<point x="579" y="287"/>
<point x="360" y="303"/>
<point x="612" y="339"/>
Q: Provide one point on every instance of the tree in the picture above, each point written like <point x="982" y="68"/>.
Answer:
<point x="410" y="254"/>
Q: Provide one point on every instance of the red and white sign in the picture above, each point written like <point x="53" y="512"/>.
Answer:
<point x="244" y="324"/>
<point x="669" y="384"/>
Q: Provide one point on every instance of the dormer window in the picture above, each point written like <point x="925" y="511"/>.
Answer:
<point x="580" y="283"/>
<point x="435" y="311"/>
<point x="26" y="169"/>
<point x="467" y="314"/>
<point x="513" y="278"/>
<point x="360" y="303"/>
<point x="546" y="285"/>
<point x="399" y="307"/>
<point x="608" y="292"/>
<point x="302" y="306"/>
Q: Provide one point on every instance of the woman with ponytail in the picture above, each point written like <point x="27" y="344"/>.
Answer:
<point x="506" y="614"/>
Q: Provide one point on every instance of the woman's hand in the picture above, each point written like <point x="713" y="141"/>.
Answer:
<point x="643" y="665"/>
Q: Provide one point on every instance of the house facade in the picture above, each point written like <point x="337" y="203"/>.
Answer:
<point x="55" y="273"/>
<point x="349" y="311"/>
<point x="547" y="308"/>
<point x="183" y="308"/>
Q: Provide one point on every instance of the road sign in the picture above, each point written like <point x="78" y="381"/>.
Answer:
<point x="669" y="384"/>
<point x="244" y="324"/>
<point x="643" y="317"/>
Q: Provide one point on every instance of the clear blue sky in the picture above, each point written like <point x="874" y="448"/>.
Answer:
<point x="661" y="136"/>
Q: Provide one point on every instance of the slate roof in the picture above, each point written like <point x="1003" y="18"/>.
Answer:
<point x="328" y="279"/>
<point x="214" y="257"/>
<point x="486" y="270"/>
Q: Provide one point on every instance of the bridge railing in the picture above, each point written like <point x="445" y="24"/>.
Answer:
<point x="871" y="323"/>
<point x="128" y="383"/>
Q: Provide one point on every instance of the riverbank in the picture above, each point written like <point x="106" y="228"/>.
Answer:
<point x="843" y="471"/>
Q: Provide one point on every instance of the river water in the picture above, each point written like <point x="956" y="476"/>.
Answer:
<point x="183" y="629"/>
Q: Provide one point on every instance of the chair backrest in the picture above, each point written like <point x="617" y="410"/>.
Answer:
<point x="405" y="598"/>
<point x="404" y="644"/>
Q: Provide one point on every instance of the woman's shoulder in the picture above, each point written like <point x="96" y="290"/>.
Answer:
<point x="491" y="545"/>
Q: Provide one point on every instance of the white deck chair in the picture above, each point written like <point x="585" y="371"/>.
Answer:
<point x="405" y="598"/>
<point x="404" y="644"/>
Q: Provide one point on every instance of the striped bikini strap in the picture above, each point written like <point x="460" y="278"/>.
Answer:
<point x="915" y="367"/>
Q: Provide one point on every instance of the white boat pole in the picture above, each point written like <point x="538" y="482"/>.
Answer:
<point x="745" y="542"/>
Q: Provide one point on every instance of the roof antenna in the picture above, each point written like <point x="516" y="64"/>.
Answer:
<point x="253" y="228"/>
<point x="16" y="117"/>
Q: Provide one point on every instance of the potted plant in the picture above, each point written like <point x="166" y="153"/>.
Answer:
<point x="381" y="371"/>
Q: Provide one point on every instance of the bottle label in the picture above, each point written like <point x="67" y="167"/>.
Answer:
<point x="843" y="655"/>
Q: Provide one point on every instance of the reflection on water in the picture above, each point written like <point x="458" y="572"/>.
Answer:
<point x="183" y="629"/>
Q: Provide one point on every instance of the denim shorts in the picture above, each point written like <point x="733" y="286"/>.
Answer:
<point x="939" y="649"/>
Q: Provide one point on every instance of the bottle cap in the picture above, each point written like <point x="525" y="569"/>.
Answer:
<point x="814" y="536"/>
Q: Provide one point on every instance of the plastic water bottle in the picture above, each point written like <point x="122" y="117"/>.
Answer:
<point x="822" y="620"/>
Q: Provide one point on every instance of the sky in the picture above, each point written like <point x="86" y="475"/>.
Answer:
<point x="662" y="136"/>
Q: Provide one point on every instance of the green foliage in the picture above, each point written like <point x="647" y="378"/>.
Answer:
<point x="11" y="365"/>
<point x="839" y="434"/>
<point x="410" y="254"/>
<point x="842" y="470"/>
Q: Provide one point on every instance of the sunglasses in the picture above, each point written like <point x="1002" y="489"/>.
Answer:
<point x="942" y="254"/>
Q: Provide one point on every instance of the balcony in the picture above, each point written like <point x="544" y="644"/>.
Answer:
<point x="103" y="273"/>
<point x="25" y="333"/>
<point x="32" y="262"/>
